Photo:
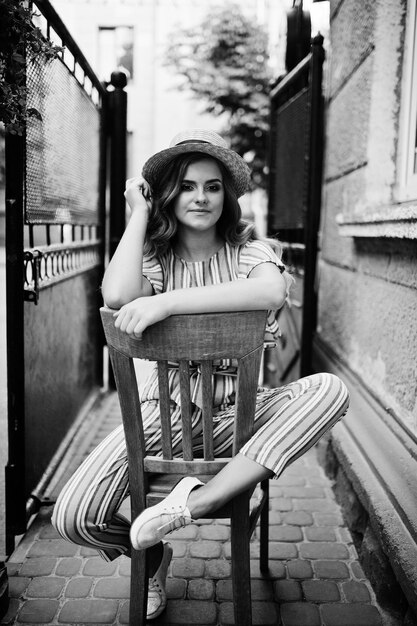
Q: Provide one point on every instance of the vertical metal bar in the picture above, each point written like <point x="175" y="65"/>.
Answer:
<point x="101" y="229"/>
<point x="15" y="468"/>
<point x="118" y="126"/>
<point x="118" y="99"/>
<point x="312" y="220"/>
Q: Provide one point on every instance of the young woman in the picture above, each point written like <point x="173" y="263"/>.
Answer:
<point x="187" y="250"/>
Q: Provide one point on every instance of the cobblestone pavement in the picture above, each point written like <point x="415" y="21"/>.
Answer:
<point x="315" y="577"/>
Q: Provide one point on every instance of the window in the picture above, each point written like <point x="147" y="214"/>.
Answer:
<point x="407" y="164"/>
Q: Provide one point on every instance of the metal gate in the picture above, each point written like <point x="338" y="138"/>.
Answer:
<point x="296" y="154"/>
<point x="56" y="181"/>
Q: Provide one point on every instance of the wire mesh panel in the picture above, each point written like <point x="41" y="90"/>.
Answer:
<point x="289" y="164"/>
<point x="62" y="172"/>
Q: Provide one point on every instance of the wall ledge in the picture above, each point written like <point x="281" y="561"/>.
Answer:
<point x="380" y="459"/>
<point x="395" y="221"/>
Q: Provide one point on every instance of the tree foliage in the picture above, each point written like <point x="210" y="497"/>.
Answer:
<point x="223" y="61"/>
<point x="20" y="40"/>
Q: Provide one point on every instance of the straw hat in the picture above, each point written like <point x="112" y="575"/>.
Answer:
<point x="205" y="142"/>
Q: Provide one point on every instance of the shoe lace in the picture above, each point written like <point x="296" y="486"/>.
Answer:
<point x="177" y="519"/>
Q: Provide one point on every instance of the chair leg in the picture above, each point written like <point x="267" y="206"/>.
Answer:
<point x="241" y="560"/>
<point x="264" y="530"/>
<point x="138" y="588"/>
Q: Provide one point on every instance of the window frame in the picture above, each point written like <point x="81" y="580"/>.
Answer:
<point x="406" y="188"/>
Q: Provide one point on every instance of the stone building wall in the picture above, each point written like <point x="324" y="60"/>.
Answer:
<point x="367" y="325"/>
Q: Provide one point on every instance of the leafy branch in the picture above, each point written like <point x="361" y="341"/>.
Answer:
<point x="223" y="61"/>
<point x="20" y="41"/>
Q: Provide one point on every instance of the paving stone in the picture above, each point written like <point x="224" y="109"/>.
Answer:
<point x="84" y="551"/>
<point x="356" y="592"/>
<point x="281" y="504"/>
<point x="191" y="612"/>
<point x="331" y="569"/>
<point x="68" y="567"/>
<point x="99" y="567"/>
<point x="285" y="533"/>
<point x="320" y="591"/>
<point x="321" y="505"/>
<point x="348" y="614"/>
<point x="282" y="551"/>
<point x="112" y="588"/>
<point x="124" y="566"/>
<point x="13" y="568"/>
<point x="218" y="568"/>
<point x="328" y="519"/>
<point x="345" y="536"/>
<point x="303" y="492"/>
<point x="88" y="611"/>
<point x="216" y="532"/>
<point x="49" y="532"/>
<point x="298" y="518"/>
<point x="320" y="533"/>
<point x="38" y="611"/>
<point x="179" y="547"/>
<point x="54" y="547"/>
<point x="206" y="549"/>
<point x="299" y="569"/>
<point x="287" y="591"/>
<point x="274" y="517"/>
<point x="78" y="587"/>
<point x="45" y="587"/>
<point x="291" y="481"/>
<point x="17" y="586"/>
<point x="176" y="587"/>
<point x="38" y="566"/>
<point x="300" y="614"/>
<point x="205" y="522"/>
<point x="188" y="568"/>
<point x="263" y="614"/>
<point x="320" y="481"/>
<point x="201" y="589"/>
<point x="357" y="570"/>
<point x="323" y="550"/>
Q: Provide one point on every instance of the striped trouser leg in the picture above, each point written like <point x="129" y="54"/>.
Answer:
<point x="288" y="420"/>
<point x="86" y="509"/>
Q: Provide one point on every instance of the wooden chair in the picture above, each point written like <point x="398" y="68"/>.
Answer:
<point x="185" y="338"/>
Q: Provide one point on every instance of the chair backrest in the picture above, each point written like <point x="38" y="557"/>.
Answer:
<point x="199" y="338"/>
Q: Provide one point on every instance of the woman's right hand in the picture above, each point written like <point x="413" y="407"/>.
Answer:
<point x="138" y="194"/>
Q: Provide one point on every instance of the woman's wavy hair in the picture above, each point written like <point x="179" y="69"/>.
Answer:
<point x="162" y="224"/>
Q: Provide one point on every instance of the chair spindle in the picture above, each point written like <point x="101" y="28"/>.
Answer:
<point x="187" y="444"/>
<point x="165" y="408"/>
<point x="206" y="381"/>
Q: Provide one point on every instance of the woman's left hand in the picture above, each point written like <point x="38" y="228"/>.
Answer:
<point x="133" y="318"/>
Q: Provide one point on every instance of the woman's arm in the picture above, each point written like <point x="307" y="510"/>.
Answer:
<point x="264" y="289"/>
<point x="123" y="280"/>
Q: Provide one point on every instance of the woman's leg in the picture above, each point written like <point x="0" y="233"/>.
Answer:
<point x="86" y="511"/>
<point x="289" y="421"/>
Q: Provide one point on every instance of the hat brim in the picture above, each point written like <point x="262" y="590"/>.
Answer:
<point x="236" y="166"/>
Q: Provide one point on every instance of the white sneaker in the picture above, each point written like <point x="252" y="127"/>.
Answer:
<point x="151" y="526"/>
<point x="157" y="597"/>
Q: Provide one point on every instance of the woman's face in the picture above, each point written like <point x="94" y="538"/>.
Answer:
<point x="199" y="204"/>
